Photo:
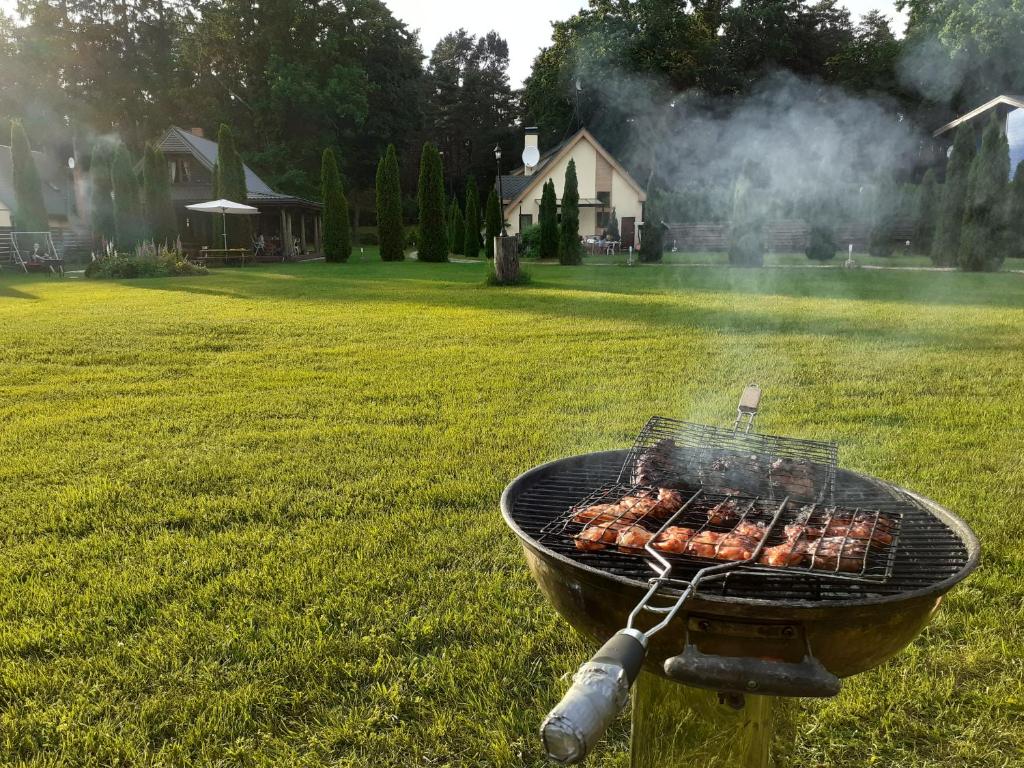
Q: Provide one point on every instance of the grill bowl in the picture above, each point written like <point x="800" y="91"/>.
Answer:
<point x="849" y="632"/>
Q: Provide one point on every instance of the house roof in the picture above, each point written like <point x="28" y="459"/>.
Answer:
<point x="53" y="182"/>
<point x="1016" y="102"/>
<point x="178" y="140"/>
<point x="524" y="184"/>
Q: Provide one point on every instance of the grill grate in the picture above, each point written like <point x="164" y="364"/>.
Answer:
<point x="680" y="454"/>
<point x="926" y="551"/>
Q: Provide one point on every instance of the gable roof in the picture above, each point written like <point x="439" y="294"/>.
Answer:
<point x="555" y="155"/>
<point x="178" y="140"/>
<point x="52" y="181"/>
<point x="1016" y="102"/>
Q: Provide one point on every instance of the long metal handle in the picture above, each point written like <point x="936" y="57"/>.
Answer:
<point x="599" y="692"/>
<point x="749" y="675"/>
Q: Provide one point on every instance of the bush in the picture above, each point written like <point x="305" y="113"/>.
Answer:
<point x="821" y="245"/>
<point x="147" y="261"/>
<point x="523" y="278"/>
<point x="531" y="241"/>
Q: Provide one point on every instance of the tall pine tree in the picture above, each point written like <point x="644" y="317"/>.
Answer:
<point x="492" y="223"/>
<point x="337" y="240"/>
<point x="927" y="213"/>
<point x="954" y="193"/>
<point x="1015" y="214"/>
<point x="389" y="208"/>
<point x="156" y="186"/>
<point x="983" y="239"/>
<point x="101" y="200"/>
<point x="569" y="250"/>
<point x="129" y="222"/>
<point x="548" y="221"/>
<point x="29" y="213"/>
<point x="231" y="186"/>
<point x="471" y="242"/>
<point x="433" y="239"/>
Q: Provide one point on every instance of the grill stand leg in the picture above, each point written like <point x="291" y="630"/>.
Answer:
<point x="675" y="726"/>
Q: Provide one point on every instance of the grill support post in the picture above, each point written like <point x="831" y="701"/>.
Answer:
<point x="676" y="726"/>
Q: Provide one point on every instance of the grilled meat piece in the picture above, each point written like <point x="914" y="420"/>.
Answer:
<point x="794" y="476"/>
<point x="855" y="531"/>
<point x="633" y="538"/>
<point x="596" y="537"/>
<point x="654" y="463"/>
<point x="674" y="539"/>
<point x="750" y="529"/>
<point x="834" y="553"/>
<point x="723" y="513"/>
<point x="669" y="500"/>
<point x="734" y="546"/>
<point x="705" y="544"/>
<point x="786" y="553"/>
<point x="604" y="513"/>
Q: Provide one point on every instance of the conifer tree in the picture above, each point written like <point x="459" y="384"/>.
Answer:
<point x="156" y="186"/>
<point x="492" y="222"/>
<point x="101" y="200"/>
<point x="337" y="236"/>
<point x="471" y="241"/>
<point x="129" y="222"/>
<point x="983" y="238"/>
<point x="456" y="228"/>
<point x="612" y="230"/>
<point x="231" y="186"/>
<point x="389" y="208"/>
<point x="548" y="222"/>
<point x="946" y="245"/>
<point x="569" y="250"/>
<point x="746" y="230"/>
<point x="927" y="213"/>
<point x="29" y="213"/>
<point x="1015" y="214"/>
<point x="652" y="244"/>
<point x="433" y="239"/>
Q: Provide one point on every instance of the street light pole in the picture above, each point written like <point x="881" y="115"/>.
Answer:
<point x="501" y="194"/>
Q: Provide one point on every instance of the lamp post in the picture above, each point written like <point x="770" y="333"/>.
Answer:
<point x="71" y="184"/>
<point x="501" y="194"/>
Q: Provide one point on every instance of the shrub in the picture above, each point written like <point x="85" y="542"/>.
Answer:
<point x="954" y="193"/>
<point x="389" y="208"/>
<point x="569" y="249"/>
<point x="821" y="244"/>
<point x="548" y="246"/>
<point x="148" y="260"/>
<point x="337" y="237"/>
<point x="471" y="239"/>
<point x="652" y="244"/>
<point x="983" y="237"/>
<point x="29" y="213"/>
<point x="433" y="238"/>
<point x="523" y="278"/>
<point x="531" y="241"/>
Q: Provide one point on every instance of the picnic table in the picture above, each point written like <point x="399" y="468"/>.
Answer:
<point x="223" y="255"/>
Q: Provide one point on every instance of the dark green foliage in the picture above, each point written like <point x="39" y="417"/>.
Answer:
<point x="101" y="201"/>
<point x="652" y="243"/>
<point x="433" y="239"/>
<point x="821" y="243"/>
<point x="612" y="230"/>
<point x="548" y="220"/>
<point x="129" y="222"/>
<point x="337" y="234"/>
<point x="149" y="262"/>
<point x="29" y="213"/>
<point x="530" y="239"/>
<point x="927" y="213"/>
<point x="231" y="186"/>
<point x="569" y="249"/>
<point x="456" y="228"/>
<point x="471" y="240"/>
<point x="492" y="223"/>
<point x="389" y="207"/>
<point x="746" y="232"/>
<point x="954" y="193"/>
<point x="156" y="195"/>
<point x="884" y="215"/>
<point x="983" y="239"/>
<point x="1015" y="214"/>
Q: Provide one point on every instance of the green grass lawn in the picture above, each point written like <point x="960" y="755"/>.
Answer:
<point x="252" y="518"/>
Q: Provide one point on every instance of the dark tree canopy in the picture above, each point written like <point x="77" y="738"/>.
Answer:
<point x="129" y="222"/>
<point x="337" y="234"/>
<point x="29" y="214"/>
<point x="389" y="208"/>
<point x="101" y="202"/>
<point x="231" y="186"/>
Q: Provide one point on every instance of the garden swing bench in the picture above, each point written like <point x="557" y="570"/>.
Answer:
<point x="35" y="251"/>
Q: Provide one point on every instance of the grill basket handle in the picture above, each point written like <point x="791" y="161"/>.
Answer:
<point x="600" y="690"/>
<point x="748" y="675"/>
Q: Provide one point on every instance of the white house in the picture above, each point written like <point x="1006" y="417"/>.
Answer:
<point x="604" y="185"/>
<point x="1010" y="112"/>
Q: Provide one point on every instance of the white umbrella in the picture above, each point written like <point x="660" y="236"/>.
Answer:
<point x="224" y="207"/>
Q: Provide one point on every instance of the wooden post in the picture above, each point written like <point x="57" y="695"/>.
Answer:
<point x="285" y="245"/>
<point x="506" y="259"/>
<point x="316" y="234"/>
<point x="302" y="229"/>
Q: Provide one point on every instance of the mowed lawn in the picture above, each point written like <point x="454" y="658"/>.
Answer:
<point x="252" y="518"/>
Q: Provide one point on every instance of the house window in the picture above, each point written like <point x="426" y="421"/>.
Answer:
<point x="602" y="218"/>
<point x="605" y="198"/>
<point x="525" y="220"/>
<point x="181" y="171"/>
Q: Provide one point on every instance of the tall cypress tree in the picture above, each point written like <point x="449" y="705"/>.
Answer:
<point x="983" y="239"/>
<point x="548" y="221"/>
<point x="29" y="213"/>
<point x="389" y="208"/>
<point x="954" y="192"/>
<point x="456" y="228"/>
<point x="746" y="230"/>
<point x="129" y="222"/>
<point x="471" y="242"/>
<point x="231" y="186"/>
<point x="569" y="250"/>
<point x="652" y="244"/>
<point x="1015" y="214"/>
<point x="101" y="201"/>
<point x="156" y="186"/>
<point x="433" y="239"/>
<point x="927" y="213"/>
<point x="492" y="222"/>
<point x="337" y="241"/>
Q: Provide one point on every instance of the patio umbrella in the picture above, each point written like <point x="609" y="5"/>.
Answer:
<point x="224" y="207"/>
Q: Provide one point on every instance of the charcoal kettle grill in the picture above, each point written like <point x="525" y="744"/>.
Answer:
<point x="738" y="633"/>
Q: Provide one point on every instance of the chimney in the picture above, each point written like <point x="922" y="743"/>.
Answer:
<point x="530" y="140"/>
<point x="196" y="132"/>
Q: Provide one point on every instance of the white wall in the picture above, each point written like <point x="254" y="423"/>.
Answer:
<point x="5" y="216"/>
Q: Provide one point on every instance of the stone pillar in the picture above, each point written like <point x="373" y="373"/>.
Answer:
<point x="506" y="259"/>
